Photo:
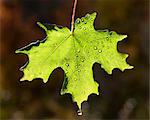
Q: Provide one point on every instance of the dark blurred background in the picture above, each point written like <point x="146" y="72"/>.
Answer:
<point x="123" y="95"/>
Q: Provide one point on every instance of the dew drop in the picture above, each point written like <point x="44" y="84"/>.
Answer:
<point x="79" y="112"/>
<point x="82" y="20"/>
<point x="99" y="51"/>
<point x="79" y="70"/>
<point x="95" y="48"/>
<point x="84" y="28"/>
<point x="82" y="60"/>
<point x="77" y="56"/>
<point x="78" y="21"/>
<point x="77" y="66"/>
<point x="67" y="64"/>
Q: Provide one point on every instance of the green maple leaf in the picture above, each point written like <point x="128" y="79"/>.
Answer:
<point x="75" y="54"/>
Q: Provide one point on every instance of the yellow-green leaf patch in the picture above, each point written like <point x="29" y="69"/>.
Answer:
<point x="75" y="54"/>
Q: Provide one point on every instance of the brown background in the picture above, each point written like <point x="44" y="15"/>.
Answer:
<point x="124" y="95"/>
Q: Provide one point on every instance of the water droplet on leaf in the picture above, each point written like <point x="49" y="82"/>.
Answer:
<point x="67" y="64"/>
<point x="99" y="51"/>
<point x="78" y="51"/>
<point x="78" y="21"/>
<point x="79" y="112"/>
<point x="95" y="48"/>
<point x="77" y="66"/>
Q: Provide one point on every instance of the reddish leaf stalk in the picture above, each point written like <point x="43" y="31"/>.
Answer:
<point x="73" y="15"/>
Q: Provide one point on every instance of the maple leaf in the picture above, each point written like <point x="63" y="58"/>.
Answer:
<point x="75" y="54"/>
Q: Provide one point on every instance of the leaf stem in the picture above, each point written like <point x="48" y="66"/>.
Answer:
<point x="73" y="15"/>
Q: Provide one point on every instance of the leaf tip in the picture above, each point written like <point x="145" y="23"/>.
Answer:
<point x="130" y="67"/>
<point x="22" y="79"/>
<point x="41" y="25"/>
<point x="45" y="81"/>
<point x="121" y="37"/>
<point x="94" y="14"/>
<point x="17" y="51"/>
<point x="124" y="36"/>
<point x="79" y="105"/>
